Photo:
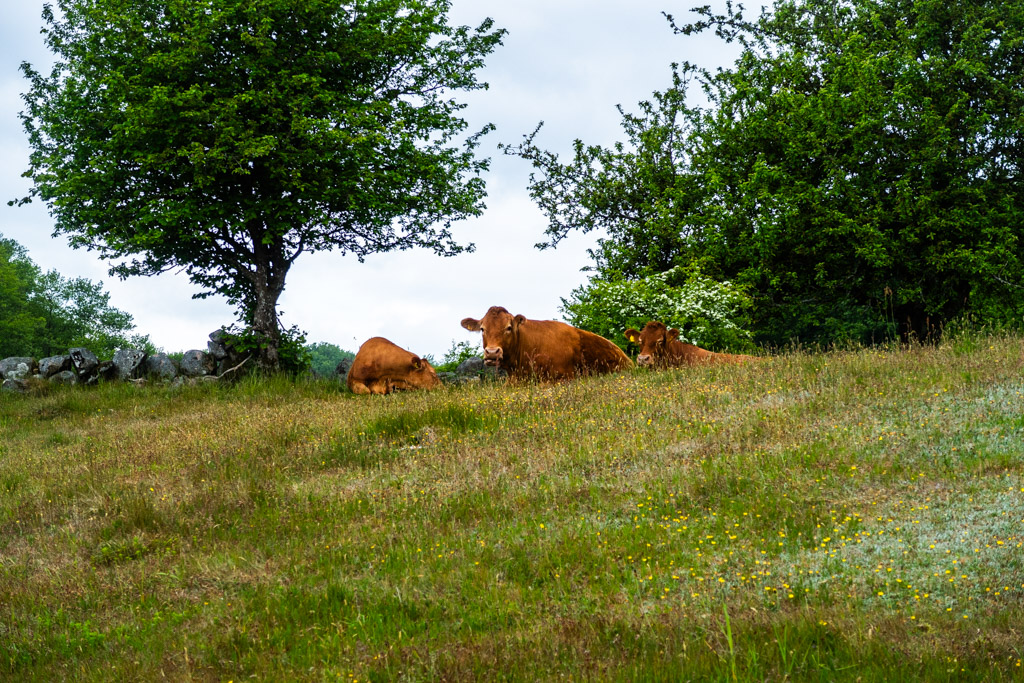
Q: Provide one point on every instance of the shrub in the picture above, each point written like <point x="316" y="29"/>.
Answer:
<point x="459" y="351"/>
<point x="294" y="357"/>
<point x="709" y="314"/>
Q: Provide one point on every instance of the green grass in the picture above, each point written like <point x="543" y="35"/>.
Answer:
<point x="836" y="516"/>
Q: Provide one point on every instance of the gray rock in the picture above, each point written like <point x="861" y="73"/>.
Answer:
<point x="14" y="386"/>
<point x="65" y="377"/>
<point x="342" y="368"/>
<point x="17" y="367"/>
<point x="84" y="362"/>
<point x="471" y="366"/>
<point x="229" y="360"/>
<point x="160" y="366"/>
<point x="217" y="346"/>
<point x="128" y="362"/>
<point x="48" y="367"/>
<point x="104" y="371"/>
<point x="474" y="367"/>
<point x="196" y="363"/>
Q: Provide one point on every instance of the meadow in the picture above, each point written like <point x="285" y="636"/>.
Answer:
<point x="846" y="515"/>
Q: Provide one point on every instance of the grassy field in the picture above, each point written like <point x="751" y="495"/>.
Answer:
<point x="853" y="515"/>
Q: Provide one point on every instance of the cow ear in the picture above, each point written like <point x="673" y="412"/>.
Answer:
<point x="632" y="335"/>
<point x="519" y="320"/>
<point x="416" y="363"/>
<point x="471" y="324"/>
<point x="673" y="334"/>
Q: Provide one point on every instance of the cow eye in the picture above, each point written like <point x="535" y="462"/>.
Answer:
<point x="508" y="329"/>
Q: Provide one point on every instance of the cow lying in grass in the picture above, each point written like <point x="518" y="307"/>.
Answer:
<point x="546" y="349"/>
<point x="381" y="367"/>
<point x="660" y="348"/>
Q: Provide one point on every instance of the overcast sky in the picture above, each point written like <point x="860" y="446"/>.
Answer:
<point x="566" y="62"/>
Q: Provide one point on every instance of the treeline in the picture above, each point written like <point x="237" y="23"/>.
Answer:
<point x="856" y="171"/>
<point x="44" y="314"/>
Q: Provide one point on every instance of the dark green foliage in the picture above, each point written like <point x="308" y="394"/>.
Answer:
<point x="324" y="358"/>
<point x="455" y="355"/>
<point x="858" y="169"/>
<point x="292" y="355"/>
<point x="20" y="323"/>
<point x="226" y="138"/>
<point x="45" y="314"/>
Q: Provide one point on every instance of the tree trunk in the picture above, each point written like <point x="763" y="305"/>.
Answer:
<point x="267" y="283"/>
<point x="267" y="329"/>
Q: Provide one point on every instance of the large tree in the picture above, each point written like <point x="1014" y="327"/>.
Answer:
<point x="225" y="138"/>
<point x="858" y="168"/>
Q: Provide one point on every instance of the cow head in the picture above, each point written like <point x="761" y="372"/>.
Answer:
<point x="653" y="342"/>
<point x="421" y="375"/>
<point x="500" y="330"/>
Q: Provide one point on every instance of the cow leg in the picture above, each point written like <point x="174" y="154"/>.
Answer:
<point x="380" y="387"/>
<point x="360" y="388"/>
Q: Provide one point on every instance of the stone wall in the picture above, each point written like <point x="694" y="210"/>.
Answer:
<point x="81" y="366"/>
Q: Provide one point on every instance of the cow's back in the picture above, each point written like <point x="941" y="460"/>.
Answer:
<point x="555" y="350"/>
<point x="682" y="354"/>
<point x="600" y="355"/>
<point x="547" y="349"/>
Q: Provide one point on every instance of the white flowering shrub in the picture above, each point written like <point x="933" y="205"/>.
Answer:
<point x="710" y="314"/>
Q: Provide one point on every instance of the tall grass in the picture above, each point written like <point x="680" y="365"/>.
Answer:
<point x="849" y="515"/>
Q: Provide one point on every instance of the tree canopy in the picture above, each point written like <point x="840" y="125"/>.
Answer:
<point x="857" y="170"/>
<point x="45" y="314"/>
<point x="224" y="138"/>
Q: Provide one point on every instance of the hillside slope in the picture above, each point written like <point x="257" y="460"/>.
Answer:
<point x="840" y="515"/>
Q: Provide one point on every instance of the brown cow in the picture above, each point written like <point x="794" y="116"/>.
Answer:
<point x="660" y="347"/>
<point x="381" y="367"/>
<point x="547" y="349"/>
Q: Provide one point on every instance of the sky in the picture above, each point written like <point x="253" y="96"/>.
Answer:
<point x="565" y="62"/>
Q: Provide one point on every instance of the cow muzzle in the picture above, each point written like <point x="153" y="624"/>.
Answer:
<point x="644" y="360"/>
<point x="492" y="355"/>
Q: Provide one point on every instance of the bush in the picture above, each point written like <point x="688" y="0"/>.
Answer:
<point x="325" y="358"/>
<point x="709" y="314"/>
<point x="294" y="357"/>
<point x="459" y="351"/>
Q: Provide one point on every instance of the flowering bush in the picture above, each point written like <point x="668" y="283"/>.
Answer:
<point x="709" y="314"/>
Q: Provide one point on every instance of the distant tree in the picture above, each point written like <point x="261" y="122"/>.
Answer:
<point x="639" y="195"/>
<point x="858" y="169"/>
<point x="77" y="312"/>
<point x="21" y="323"/>
<point x="45" y="314"/>
<point x="325" y="357"/>
<point x="225" y="138"/>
